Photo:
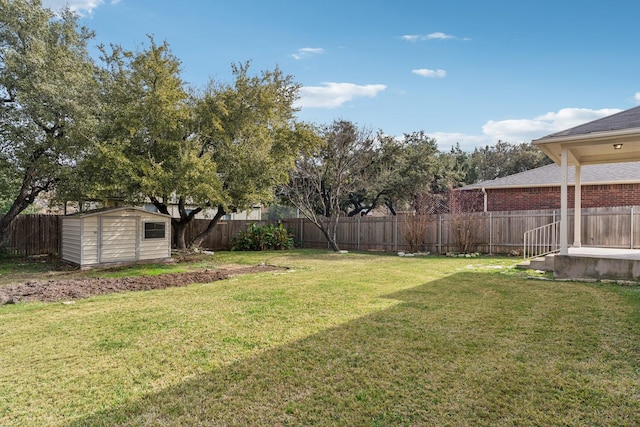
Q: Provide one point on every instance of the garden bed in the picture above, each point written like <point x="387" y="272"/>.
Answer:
<point x="72" y="289"/>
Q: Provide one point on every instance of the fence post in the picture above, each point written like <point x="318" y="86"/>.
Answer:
<point x="440" y="234"/>
<point x="395" y="233"/>
<point x="302" y="232"/>
<point x="631" y="229"/>
<point x="490" y="233"/>
<point x="358" y="231"/>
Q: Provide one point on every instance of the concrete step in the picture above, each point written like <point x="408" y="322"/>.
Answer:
<point x="540" y="263"/>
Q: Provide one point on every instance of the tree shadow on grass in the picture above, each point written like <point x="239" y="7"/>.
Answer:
<point x="449" y="353"/>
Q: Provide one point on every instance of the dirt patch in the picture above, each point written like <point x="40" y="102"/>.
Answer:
<point x="72" y="289"/>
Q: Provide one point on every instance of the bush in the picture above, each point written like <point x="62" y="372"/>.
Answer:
<point x="260" y="238"/>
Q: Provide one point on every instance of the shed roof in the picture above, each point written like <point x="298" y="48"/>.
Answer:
<point x="549" y="176"/>
<point x="116" y="210"/>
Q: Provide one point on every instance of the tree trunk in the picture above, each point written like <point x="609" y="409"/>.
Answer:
<point x="25" y="197"/>
<point x="179" y="232"/>
<point x="355" y="211"/>
<point x="4" y="226"/>
<point x="329" y="232"/>
<point x="390" y="207"/>
<point x="18" y="206"/>
<point x="332" y="241"/>
<point x="178" y="225"/>
<point x="200" y="238"/>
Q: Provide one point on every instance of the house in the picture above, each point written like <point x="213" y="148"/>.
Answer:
<point x="253" y="214"/>
<point x="603" y="185"/>
<point x="116" y="236"/>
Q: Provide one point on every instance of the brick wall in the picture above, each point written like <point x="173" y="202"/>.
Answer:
<point x="513" y="199"/>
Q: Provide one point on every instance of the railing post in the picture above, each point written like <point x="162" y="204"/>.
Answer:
<point x="555" y="232"/>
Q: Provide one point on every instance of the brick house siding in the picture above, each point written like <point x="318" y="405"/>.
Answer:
<point x="603" y="195"/>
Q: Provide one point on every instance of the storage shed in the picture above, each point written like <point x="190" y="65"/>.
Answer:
<point x="116" y="236"/>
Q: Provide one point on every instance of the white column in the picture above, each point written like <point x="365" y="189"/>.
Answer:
<point x="564" y="169"/>
<point x="577" y="215"/>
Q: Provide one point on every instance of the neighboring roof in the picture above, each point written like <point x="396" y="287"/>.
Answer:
<point x="549" y="176"/>
<point x="114" y="210"/>
<point x="627" y="119"/>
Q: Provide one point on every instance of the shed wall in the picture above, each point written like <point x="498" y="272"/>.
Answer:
<point x="155" y="248"/>
<point x="118" y="238"/>
<point x="72" y="240"/>
<point x="89" y="240"/>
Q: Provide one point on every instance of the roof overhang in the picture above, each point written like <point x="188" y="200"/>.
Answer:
<point x="594" y="148"/>
<point x="128" y="209"/>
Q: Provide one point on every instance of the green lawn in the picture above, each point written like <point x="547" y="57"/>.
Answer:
<point x="339" y="339"/>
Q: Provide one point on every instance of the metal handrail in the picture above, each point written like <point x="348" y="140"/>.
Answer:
<point x="542" y="240"/>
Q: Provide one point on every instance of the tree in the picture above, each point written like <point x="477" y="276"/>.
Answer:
<point x="413" y="167"/>
<point x="225" y="148"/>
<point x="397" y="172"/>
<point x="48" y="95"/>
<point x="327" y="173"/>
<point x="374" y="185"/>
<point x="421" y="171"/>
<point x="148" y="149"/>
<point x="249" y="132"/>
<point x="491" y="162"/>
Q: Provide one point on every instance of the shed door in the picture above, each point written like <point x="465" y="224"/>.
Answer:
<point x="118" y="239"/>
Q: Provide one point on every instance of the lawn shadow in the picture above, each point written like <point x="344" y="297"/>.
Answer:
<point x="429" y="360"/>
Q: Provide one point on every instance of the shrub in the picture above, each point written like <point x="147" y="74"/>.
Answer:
<point x="260" y="238"/>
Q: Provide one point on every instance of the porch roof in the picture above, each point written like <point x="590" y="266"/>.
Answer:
<point x="611" y="139"/>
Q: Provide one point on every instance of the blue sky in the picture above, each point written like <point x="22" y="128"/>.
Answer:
<point x="465" y="71"/>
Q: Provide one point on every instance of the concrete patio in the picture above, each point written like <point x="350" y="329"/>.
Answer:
<point x="591" y="263"/>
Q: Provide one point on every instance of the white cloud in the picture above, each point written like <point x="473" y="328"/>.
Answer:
<point x="637" y="96"/>
<point x="80" y="6"/>
<point x="333" y="95"/>
<point x="307" y="51"/>
<point x="522" y="130"/>
<point x="519" y="130"/>
<point x="432" y="36"/>
<point x="425" y="72"/>
<point x="439" y="36"/>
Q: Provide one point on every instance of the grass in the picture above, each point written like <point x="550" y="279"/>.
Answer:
<point x="351" y="339"/>
<point x="18" y="268"/>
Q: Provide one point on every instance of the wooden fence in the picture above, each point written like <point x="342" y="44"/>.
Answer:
<point x="34" y="235"/>
<point x="222" y="234"/>
<point x="493" y="232"/>
<point x="41" y="234"/>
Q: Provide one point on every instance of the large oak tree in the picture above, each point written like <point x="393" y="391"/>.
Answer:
<point x="48" y="101"/>
<point x="249" y="131"/>
<point x="148" y="149"/>
<point x="220" y="150"/>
